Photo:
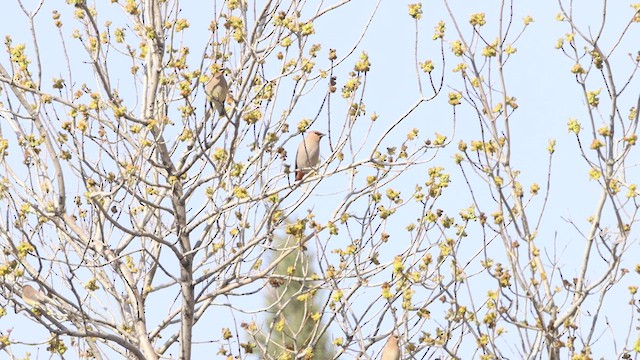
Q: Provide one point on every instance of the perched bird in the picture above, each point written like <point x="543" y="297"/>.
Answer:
<point x="33" y="297"/>
<point x="391" y="350"/>
<point x="216" y="90"/>
<point x="308" y="153"/>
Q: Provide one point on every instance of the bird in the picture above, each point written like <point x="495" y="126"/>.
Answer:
<point x="391" y="351"/>
<point x="33" y="297"/>
<point x="216" y="90"/>
<point x="308" y="153"/>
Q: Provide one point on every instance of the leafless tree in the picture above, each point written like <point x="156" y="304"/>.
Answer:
<point x="148" y="218"/>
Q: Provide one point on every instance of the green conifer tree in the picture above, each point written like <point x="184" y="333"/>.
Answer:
<point x="293" y="325"/>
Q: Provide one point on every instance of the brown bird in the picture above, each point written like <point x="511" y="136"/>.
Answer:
<point x="391" y="350"/>
<point x="33" y="297"/>
<point x="216" y="90"/>
<point x="308" y="153"/>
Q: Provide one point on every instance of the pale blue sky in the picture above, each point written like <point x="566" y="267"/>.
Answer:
<point x="538" y="75"/>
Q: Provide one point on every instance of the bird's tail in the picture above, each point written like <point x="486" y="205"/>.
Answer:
<point x="219" y="108"/>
